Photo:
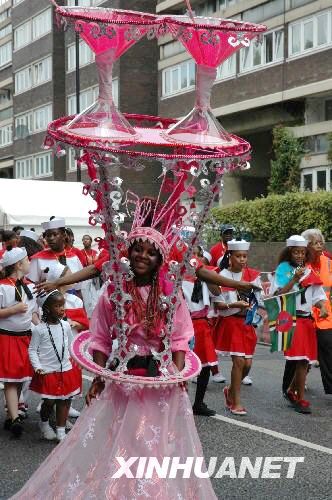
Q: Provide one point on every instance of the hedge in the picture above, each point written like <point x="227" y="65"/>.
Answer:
<point x="276" y="217"/>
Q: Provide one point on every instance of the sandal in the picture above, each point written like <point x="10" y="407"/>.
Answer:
<point x="238" y="411"/>
<point x="302" y="406"/>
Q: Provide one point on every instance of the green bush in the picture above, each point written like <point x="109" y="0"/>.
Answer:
<point x="276" y="217"/>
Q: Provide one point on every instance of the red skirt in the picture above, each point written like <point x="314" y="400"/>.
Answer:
<point x="204" y="345"/>
<point x="14" y="358"/>
<point x="304" y="341"/>
<point x="57" y="385"/>
<point x="233" y="337"/>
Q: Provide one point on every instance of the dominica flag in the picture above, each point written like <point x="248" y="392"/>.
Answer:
<point x="281" y="311"/>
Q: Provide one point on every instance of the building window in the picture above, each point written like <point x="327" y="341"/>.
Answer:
<point x="317" y="143"/>
<point x="33" y="29"/>
<point x="33" y="121"/>
<point x="41" y="24"/>
<point x="5" y="53"/>
<point x="310" y="33"/>
<point x="5" y="14"/>
<point x="16" y="2"/>
<point x="261" y="54"/>
<point x="23" y="168"/>
<point x="328" y="109"/>
<point x="317" y="179"/>
<point x="89" y="96"/>
<point x="85" y="3"/>
<point x="6" y="31"/>
<point x="87" y="56"/>
<point x="36" y="74"/>
<point x="6" y="135"/>
<point x="34" y="166"/>
<point x="178" y="78"/>
<point x="22" y="35"/>
<point x="228" y="68"/>
<point x="43" y="165"/>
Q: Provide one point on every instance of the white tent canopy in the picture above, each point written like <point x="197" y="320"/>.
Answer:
<point x="29" y="203"/>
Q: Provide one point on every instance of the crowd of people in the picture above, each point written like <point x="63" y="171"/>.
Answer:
<point x="46" y="299"/>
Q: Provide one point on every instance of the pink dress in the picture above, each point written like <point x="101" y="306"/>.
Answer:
<point x="126" y="421"/>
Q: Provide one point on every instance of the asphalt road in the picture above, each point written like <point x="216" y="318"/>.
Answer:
<point x="271" y="429"/>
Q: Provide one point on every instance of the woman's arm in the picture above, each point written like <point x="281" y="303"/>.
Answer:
<point x="216" y="279"/>
<point x="295" y="279"/>
<point x="84" y="274"/>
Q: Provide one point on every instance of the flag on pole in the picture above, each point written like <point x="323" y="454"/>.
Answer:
<point x="281" y="311"/>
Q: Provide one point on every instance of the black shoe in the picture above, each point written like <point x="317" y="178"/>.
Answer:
<point x="203" y="410"/>
<point x="7" y="423"/>
<point x="16" y="427"/>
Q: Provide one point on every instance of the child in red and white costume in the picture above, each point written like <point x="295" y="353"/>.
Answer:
<point x="55" y="378"/>
<point x="17" y="310"/>
<point x="292" y="275"/>
<point x="197" y="295"/>
<point x="232" y="335"/>
<point x="55" y="236"/>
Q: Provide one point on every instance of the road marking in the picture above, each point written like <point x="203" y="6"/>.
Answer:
<point x="275" y="434"/>
<point x="87" y="378"/>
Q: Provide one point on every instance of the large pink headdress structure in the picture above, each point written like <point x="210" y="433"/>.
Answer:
<point x="189" y="157"/>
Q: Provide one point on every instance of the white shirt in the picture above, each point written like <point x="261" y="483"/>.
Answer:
<point x="17" y="322"/>
<point x="41" y="351"/>
<point x="230" y="296"/>
<point x="73" y="302"/>
<point x="39" y="264"/>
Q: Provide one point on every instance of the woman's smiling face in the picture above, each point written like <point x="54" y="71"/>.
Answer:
<point x="145" y="259"/>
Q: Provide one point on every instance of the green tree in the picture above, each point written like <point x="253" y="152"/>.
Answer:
<point x="285" y="168"/>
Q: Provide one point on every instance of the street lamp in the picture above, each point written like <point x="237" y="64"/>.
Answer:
<point x="77" y="77"/>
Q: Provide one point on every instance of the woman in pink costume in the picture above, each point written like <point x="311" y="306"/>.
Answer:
<point x="127" y="420"/>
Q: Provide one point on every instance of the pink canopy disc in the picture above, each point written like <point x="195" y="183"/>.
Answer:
<point x="79" y="351"/>
<point x="210" y="41"/>
<point x="109" y="33"/>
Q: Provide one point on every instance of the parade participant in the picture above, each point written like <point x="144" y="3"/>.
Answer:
<point x="29" y="240"/>
<point x="55" y="236"/>
<point x="17" y="310"/>
<point x="18" y="230"/>
<point x="9" y="240"/>
<point x="144" y="421"/>
<point x="70" y="245"/>
<point x="55" y="378"/>
<point x="197" y="295"/>
<point x="90" y="255"/>
<point x="90" y="288"/>
<point x="233" y="335"/>
<point x="292" y="275"/>
<point x="322" y="266"/>
<point x="219" y="249"/>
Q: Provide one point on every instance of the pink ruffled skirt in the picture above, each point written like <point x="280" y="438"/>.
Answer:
<point x="125" y="422"/>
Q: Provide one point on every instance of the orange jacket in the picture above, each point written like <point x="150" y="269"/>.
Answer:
<point x="325" y="274"/>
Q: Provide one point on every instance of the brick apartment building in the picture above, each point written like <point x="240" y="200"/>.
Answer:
<point x="287" y="79"/>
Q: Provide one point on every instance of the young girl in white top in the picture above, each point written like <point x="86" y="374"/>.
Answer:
<point x="55" y="378"/>
<point x="17" y="310"/>
<point x="233" y="336"/>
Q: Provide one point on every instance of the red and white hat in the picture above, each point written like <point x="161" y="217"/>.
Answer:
<point x="29" y="234"/>
<point x="11" y="257"/>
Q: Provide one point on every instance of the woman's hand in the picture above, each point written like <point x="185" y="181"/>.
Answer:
<point x="241" y="304"/>
<point x="39" y="372"/>
<point x="323" y="312"/>
<point x="45" y="287"/>
<point x="96" y="388"/>
<point x="299" y="272"/>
